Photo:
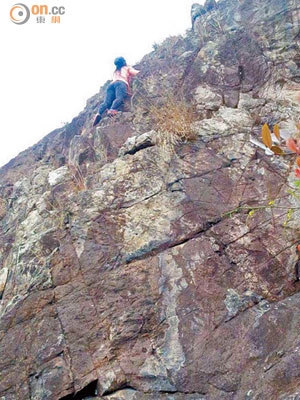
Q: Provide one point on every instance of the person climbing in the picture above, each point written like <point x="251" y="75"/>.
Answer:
<point x="118" y="90"/>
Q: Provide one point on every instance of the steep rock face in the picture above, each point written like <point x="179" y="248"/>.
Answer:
<point x="122" y="274"/>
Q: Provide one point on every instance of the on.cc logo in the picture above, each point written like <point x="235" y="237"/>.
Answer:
<point x="19" y="14"/>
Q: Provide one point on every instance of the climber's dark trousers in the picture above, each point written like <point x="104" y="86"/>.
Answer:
<point x="115" y="96"/>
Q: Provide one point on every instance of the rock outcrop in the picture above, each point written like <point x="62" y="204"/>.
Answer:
<point x="129" y="273"/>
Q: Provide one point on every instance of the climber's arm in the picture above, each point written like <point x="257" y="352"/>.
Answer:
<point x="133" y="71"/>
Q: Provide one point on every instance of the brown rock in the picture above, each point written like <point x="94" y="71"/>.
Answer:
<point x="142" y="275"/>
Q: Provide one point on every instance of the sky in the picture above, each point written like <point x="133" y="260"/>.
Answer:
<point x="48" y="70"/>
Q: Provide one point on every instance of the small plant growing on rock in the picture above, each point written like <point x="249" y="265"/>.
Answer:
<point x="293" y="144"/>
<point x="173" y="122"/>
<point x="280" y="149"/>
<point x="77" y="178"/>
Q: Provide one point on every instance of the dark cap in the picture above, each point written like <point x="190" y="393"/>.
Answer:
<point x="120" y="62"/>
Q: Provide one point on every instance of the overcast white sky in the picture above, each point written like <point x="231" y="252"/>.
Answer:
<point x="48" y="71"/>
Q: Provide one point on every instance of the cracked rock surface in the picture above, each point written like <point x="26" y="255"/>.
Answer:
<point x="129" y="273"/>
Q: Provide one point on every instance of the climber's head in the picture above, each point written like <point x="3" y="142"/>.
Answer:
<point x="120" y="62"/>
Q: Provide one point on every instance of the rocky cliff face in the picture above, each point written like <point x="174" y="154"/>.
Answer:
<point x="122" y="275"/>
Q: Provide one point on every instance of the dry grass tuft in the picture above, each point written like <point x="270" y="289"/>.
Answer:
<point x="173" y="123"/>
<point x="78" y="180"/>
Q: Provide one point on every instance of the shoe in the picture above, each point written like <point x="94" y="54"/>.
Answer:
<point x="97" y="119"/>
<point x="112" y="113"/>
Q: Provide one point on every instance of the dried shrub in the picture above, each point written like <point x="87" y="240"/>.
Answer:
<point x="173" y="122"/>
<point x="78" y="180"/>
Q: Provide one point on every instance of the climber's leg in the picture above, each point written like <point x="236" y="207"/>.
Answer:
<point x="109" y="98"/>
<point x="121" y="94"/>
